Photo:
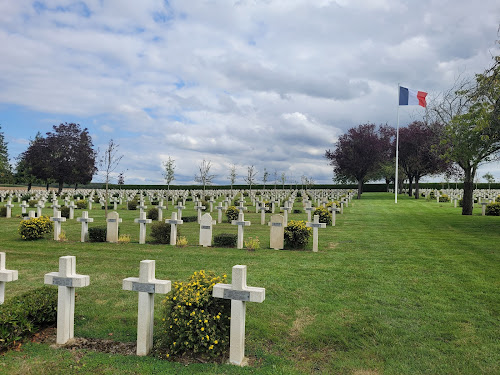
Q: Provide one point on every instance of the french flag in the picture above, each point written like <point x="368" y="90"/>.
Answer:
<point x="411" y="97"/>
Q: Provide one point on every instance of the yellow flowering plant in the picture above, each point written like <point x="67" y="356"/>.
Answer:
<point x="35" y="228"/>
<point x="194" y="323"/>
<point x="297" y="234"/>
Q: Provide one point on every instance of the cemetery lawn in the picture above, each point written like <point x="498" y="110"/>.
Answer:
<point x="407" y="288"/>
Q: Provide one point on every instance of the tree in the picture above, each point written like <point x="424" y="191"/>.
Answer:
<point x="232" y="176"/>
<point x="5" y="168"/>
<point x="265" y="177"/>
<point x="251" y="176"/>
<point x="359" y="153"/>
<point x="489" y="179"/>
<point x="283" y="179"/>
<point x="121" y="178"/>
<point x="470" y="111"/>
<point x="169" y="166"/>
<point x="33" y="165"/>
<point x="108" y="163"/>
<point x="418" y="152"/>
<point x="204" y="177"/>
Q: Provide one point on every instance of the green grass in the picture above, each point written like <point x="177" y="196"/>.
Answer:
<point x="407" y="288"/>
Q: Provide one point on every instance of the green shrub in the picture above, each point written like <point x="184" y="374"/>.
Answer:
<point x="32" y="203"/>
<point x="65" y="212"/>
<point x="297" y="234"/>
<point x="493" y="209"/>
<point x="444" y="198"/>
<point x="35" y="228"/>
<point x="160" y="232"/>
<point x="232" y="213"/>
<point x="3" y="211"/>
<point x="497" y="199"/>
<point x="97" y="234"/>
<point x="132" y="205"/>
<point x="77" y="197"/>
<point x="82" y="204"/>
<point x="152" y="214"/>
<point x="225" y="240"/>
<point x="324" y="215"/>
<point x="26" y="197"/>
<point x="194" y="323"/>
<point x="24" y="315"/>
<point x="297" y="211"/>
<point x="189" y="219"/>
<point x="110" y="207"/>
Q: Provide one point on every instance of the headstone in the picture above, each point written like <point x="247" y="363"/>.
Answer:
<point x="179" y="209"/>
<point x="113" y="221"/>
<point x="72" y="207"/>
<point x="262" y="213"/>
<point x="85" y="220"/>
<point x="173" y="227"/>
<point x="285" y="209"/>
<point x="239" y="293"/>
<point x="5" y="276"/>
<point x="67" y="280"/>
<point x="31" y="215"/>
<point x="277" y="236"/>
<point x="161" y="207"/>
<point x="206" y="224"/>
<point x="142" y="226"/>
<point x="483" y="211"/>
<point x="9" y="206"/>
<point x="315" y="225"/>
<point x="147" y="285"/>
<point x="57" y="219"/>
<point x="23" y="206"/>
<point x="198" y="207"/>
<point x="39" y="207"/>
<point x="219" y="213"/>
<point x="241" y="223"/>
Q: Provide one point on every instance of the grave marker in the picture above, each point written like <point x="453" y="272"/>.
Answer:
<point x="85" y="220"/>
<point x="206" y="224"/>
<point x="241" y="223"/>
<point x="173" y="227"/>
<point x="142" y="226"/>
<point x="57" y="219"/>
<point x="67" y="280"/>
<point x="113" y="221"/>
<point x="315" y="225"/>
<point x="5" y="276"/>
<point x="277" y="236"/>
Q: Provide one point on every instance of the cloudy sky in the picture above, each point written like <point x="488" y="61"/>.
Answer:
<point x="269" y="83"/>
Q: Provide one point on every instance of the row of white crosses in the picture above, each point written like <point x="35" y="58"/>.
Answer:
<point x="147" y="285"/>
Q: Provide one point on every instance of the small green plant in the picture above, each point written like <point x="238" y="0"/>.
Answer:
<point x="160" y="232"/>
<point x="82" y="204"/>
<point x="97" y="234"/>
<point x="297" y="234"/>
<point x="35" y="228"/>
<point x="62" y="236"/>
<point x="3" y="211"/>
<point x="444" y="198"/>
<point x="232" y="213"/>
<point x="493" y="209"/>
<point x="497" y="199"/>
<point x="32" y="203"/>
<point x="132" y="205"/>
<point x="65" y="212"/>
<point x="252" y="244"/>
<point x="124" y="238"/>
<point x="225" y="240"/>
<point x="152" y="214"/>
<point x="194" y="323"/>
<point x="189" y="219"/>
<point x="26" y="314"/>
<point x="324" y="215"/>
<point x="181" y="242"/>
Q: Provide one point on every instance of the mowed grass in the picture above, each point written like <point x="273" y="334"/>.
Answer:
<point x="407" y="288"/>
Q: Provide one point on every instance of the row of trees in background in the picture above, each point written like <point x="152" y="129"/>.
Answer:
<point x="461" y="130"/>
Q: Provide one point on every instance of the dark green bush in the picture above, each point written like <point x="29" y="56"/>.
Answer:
<point x="132" y="205"/>
<point x="232" y="213"/>
<point x="26" y="197"/>
<point x="26" y="314"/>
<point x="65" y="212"/>
<point x="97" y="234"/>
<point x="77" y="197"/>
<point x="493" y="209"/>
<point x="32" y="203"/>
<point x="160" y="232"/>
<point x="297" y="211"/>
<point x="225" y="240"/>
<point x="3" y="211"/>
<point x="444" y="198"/>
<point x="82" y="204"/>
<point x="152" y="214"/>
<point x="297" y="234"/>
<point x="189" y="219"/>
<point x="110" y="207"/>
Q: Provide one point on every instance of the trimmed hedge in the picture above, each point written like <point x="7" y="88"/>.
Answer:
<point x="26" y="314"/>
<point x="160" y="232"/>
<point x="97" y="234"/>
<point x="225" y="240"/>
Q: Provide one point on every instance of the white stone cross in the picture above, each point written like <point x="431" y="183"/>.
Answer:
<point x="238" y="292"/>
<point x="85" y="220"/>
<point x="219" y="213"/>
<point x="173" y="227"/>
<point x="241" y="207"/>
<point x="141" y="206"/>
<point x="333" y="209"/>
<point x="206" y="224"/>
<point x="9" y="206"/>
<point x="57" y="219"/>
<point x="113" y="221"/>
<point x="179" y="208"/>
<point x="285" y="209"/>
<point x="39" y="207"/>
<point x="5" y="276"/>
<point x="241" y="223"/>
<point x="309" y="209"/>
<point x="262" y="213"/>
<point x="483" y="211"/>
<point x="142" y="226"/>
<point x="24" y="206"/>
<point x="199" y="208"/>
<point x="161" y="207"/>
<point x="315" y="225"/>
<point x="31" y="215"/>
<point x="67" y="280"/>
<point x="147" y="286"/>
<point x="72" y="207"/>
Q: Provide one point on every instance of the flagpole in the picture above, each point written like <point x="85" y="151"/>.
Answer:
<point x="397" y="155"/>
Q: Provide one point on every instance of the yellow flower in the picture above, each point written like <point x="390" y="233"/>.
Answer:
<point x="168" y="355"/>
<point x="202" y="328"/>
<point x="205" y="321"/>
<point x="211" y="347"/>
<point x="216" y="342"/>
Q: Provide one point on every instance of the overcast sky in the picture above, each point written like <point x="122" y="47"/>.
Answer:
<point x="269" y="83"/>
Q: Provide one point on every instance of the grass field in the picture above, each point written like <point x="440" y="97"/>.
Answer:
<point x="407" y="288"/>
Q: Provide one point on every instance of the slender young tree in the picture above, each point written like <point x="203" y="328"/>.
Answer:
<point x="283" y="179"/>
<point x="204" y="177"/>
<point x="5" y="168"/>
<point x="251" y="177"/>
<point x="265" y="177"/>
<point x="232" y="176"/>
<point x="108" y="163"/>
<point x="169" y="166"/>
<point x="489" y="179"/>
